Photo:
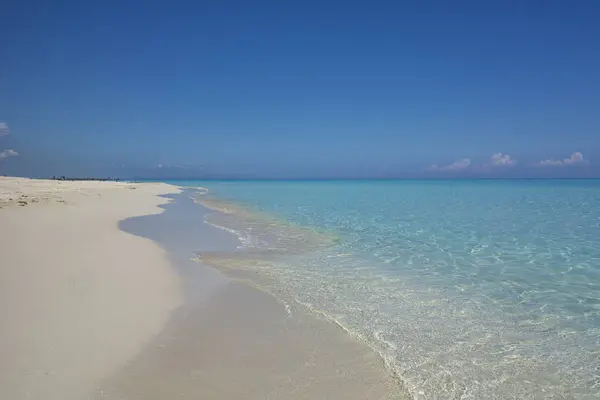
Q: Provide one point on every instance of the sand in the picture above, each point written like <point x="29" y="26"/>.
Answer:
<point x="241" y="344"/>
<point x="100" y="299"/>
<point x="232" y="340"/>
<point x="79" y="298"/>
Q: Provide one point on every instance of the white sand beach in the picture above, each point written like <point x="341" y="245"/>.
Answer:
<point x="78" y="296"/>
<point x="84" y="308"/>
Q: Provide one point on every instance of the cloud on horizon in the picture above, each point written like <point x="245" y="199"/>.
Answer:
<point x="455" y="166"/>
<point x="497" y="160"/>
<point x="503" y="160"/>
<point x="8" y="153"/>
<point x="4" y="131"/>
<point x="575" y="159"/>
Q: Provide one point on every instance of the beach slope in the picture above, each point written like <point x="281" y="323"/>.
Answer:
<point x="78" y="296"/>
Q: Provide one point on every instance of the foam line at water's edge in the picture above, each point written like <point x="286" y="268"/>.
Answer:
<point x="455" y="306"/>
<point x="385" y="357"/>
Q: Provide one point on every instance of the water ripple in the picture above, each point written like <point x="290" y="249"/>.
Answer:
<point x="468" y="290"/>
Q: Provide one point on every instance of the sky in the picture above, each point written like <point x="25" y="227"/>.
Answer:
<point x="300" y="89"/>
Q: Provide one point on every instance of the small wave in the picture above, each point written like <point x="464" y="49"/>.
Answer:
<point x="247" y="241"/>
<point x="258" y="230"/>
<point x="340" y="255"/>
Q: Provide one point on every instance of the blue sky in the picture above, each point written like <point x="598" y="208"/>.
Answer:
<point x="300" y="89"/>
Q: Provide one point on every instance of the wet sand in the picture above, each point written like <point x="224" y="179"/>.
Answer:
<point x="242" y="344"/>
<point x="233" y="341"/>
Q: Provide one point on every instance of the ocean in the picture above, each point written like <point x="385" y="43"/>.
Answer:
<point x="468" y="289"/>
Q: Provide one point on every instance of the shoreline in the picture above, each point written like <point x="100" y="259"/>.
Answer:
<point x="108" y="302"/>
<point x="437" y="339"/>
<point x="78" y="296"/>
<point x="240" y="332"/>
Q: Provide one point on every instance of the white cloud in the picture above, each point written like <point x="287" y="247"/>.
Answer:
<point x="4" y="131"/>
<point x="500" y="159"/>
<point x="576" y="158"/>
<point x="455" y="166"/>
<point x="8" y="153"/>
<point x="549" y="163"/>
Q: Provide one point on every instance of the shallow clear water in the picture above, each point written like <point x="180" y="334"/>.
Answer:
<point x="468" y="289"/>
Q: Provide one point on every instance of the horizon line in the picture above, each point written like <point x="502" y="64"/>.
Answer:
<point x="359" y="179"/>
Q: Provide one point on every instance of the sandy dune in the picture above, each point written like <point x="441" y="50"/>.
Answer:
<point x="78" y="297"/>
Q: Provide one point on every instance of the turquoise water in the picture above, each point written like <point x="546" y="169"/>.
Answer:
<point x="467" y="289"/>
